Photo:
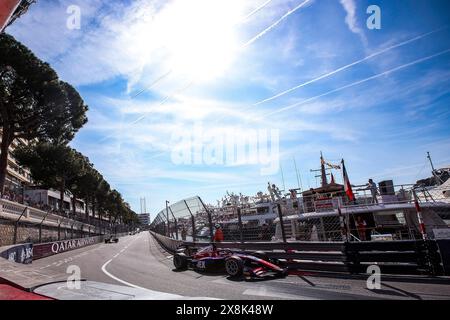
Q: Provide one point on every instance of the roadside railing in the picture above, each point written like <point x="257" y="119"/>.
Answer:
<point x="414" y="257"/>
<point x="12" y="211"/>
<point x="22" y="224"/>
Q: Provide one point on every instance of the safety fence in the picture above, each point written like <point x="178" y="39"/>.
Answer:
<point x="409" y="257"/>
<point x="187" y="219"/>
<point x="313" y="217"/>
<point x="22" y="224"/>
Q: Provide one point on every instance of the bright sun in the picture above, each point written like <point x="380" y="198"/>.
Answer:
<point x="198" y="37"/>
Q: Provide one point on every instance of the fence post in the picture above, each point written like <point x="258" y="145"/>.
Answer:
<point x="343" y="224"/>
<point x="211" y="232"/>
<point x="280" y="216"/>
<point x="40" y="227"/>
<point x="167" y="215"/>
<point x="192" y="220"/>
<point x="16" y="225"/>
<point x="240" y="224"/>
<point x="175" y="221"/>
<point x="194" y="232"/>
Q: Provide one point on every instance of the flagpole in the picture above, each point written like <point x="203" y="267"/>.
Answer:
<point x="299" y="179"/>
<point x="282" y="177"/>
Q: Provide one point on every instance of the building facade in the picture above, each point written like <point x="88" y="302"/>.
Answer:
<point x="17" y="178"/>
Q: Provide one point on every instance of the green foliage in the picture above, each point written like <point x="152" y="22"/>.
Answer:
<point x="61" y="167"/>
<point x="35" y="104"/>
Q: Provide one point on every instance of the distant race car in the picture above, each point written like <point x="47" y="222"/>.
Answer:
<point x="235" y="264"/>
<point x="111" y="239"/>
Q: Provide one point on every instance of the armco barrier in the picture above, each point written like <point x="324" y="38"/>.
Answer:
<point x="410" y="257"/>
<point x="20" y="253"/>
<point x="171" y="245"/>
<point x="443" y="256"/>
<point x="43" y="250"/>
<point x="311" y="256"/>
<point x="392" y="257"/>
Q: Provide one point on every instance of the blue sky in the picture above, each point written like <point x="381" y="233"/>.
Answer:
<point x="150" y="70"/>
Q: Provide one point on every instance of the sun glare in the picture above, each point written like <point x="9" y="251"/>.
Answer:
<point x="199" y="37"/>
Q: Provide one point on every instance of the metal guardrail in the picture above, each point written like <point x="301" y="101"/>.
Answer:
<point x="411" y="257"/>
<point x="297" y="246"/>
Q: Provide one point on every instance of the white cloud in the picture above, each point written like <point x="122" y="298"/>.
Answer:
<point x="351" y="20"/>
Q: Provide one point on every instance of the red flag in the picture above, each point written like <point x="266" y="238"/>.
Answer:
<point x="347" y="185"/>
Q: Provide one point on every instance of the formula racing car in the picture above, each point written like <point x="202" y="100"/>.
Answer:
<point x="235" y="264"/>
<point x="111" y="238"/>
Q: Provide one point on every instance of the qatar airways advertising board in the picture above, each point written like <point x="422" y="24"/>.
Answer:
<point x="48" y="249"/>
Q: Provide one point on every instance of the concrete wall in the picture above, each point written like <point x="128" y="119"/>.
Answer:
<point x="169" y="244"/>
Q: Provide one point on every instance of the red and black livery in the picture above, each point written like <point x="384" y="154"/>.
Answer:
<point x="235" y="264"/>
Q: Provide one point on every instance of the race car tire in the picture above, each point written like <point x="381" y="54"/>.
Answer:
<point x="180" y="261"/>
<point x="284" y="273"/>
<point x="234" y="266"/>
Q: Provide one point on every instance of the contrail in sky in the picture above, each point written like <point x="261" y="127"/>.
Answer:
<point x="152" y="84"/>
<point x="287" y="14"/>
<point x="326" y="75"/>
<point x="358" y="82"/>
<point x="255" y="11"/>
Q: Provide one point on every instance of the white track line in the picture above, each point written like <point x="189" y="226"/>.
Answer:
<point x="118" y="279"/>
<point x="156" y="294"/>
<point x="113" y="276"/>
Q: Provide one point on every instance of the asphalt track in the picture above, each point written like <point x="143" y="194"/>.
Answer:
<point x="139" y="262"/>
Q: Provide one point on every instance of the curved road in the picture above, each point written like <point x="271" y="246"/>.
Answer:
<point x="138" y="262"/>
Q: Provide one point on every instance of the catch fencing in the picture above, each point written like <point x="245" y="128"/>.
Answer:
<point x="311" y="218"/>
<point x="409" y="257"/>
<point x="24" y="224"/>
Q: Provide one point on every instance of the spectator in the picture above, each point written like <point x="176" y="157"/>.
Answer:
<point x="361" y="226"/>
<point x="183" y="233"/>
<point x="218" y="235"/>
<point x="372" y="186"/>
